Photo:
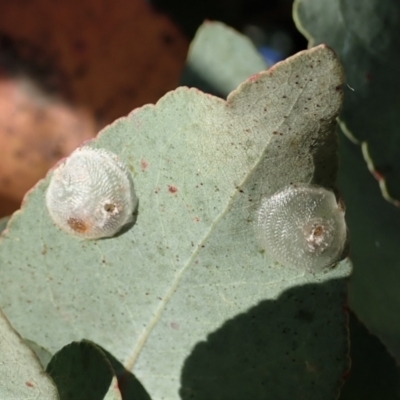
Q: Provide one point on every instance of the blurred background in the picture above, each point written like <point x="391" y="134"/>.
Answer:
<point x="68" y="68"/>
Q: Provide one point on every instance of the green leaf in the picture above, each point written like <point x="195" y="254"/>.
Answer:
<point x="128" y="384"/>
<point x="192" y="261"/>
<point x="42" y="354"/>
<point x="365" y="36"/>
<point x="82" y="371"/>
<point x="263" y="354"/>
<point x="375" y="237"/>
<point x="374" y="373"/>
<point x="220" y="59"/>
<point x="3" y="223"/>
<point x="21" y="375"/>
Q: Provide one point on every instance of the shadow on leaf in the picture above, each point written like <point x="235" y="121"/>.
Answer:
<point x="294" y="347"/>
<point x="128" y="384"/>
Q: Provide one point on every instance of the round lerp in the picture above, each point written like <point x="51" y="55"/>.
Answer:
<point x="302" y="226"/>
<point x="91" y="194"/>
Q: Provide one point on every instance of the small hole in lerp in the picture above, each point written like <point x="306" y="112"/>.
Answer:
<point x="109" y="207"/>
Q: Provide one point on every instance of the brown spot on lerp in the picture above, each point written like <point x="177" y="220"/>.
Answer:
<point x="77" y="225"/>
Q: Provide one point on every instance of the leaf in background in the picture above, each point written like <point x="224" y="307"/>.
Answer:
<point x="3" y="223"/>
<point x="365" y="37"/>
<point x="21" y="376"/>
<point x="81" y="371"/>
<point x="42" y="354"/>
<point x="374" y="373"/>
<point x="192" y="262"/>
<point x="375" y="236"/>
<point x="364" y="44"/>
<point x="220" y="59"/>
<point x="128" y="384"/>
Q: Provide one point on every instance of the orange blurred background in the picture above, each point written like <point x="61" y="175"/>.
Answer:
<point x="67" y="69"/>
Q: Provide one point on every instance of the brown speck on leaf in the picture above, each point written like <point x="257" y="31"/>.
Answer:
<point x="377" y="175"/>
<point x="29" y="384"/>
<point x="77" y="225"/>
<point x="172" y="189"/>
<point x="174" y="325"/>
<point x="143" y="165"/>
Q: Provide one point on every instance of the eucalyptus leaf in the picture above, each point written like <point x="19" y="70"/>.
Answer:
<point x="365" y="36"/>
<point x="81" y="371"/>
<point x="42" y="354"/>
<point x="21" y="375"/>
<point x="128" y="385"/>
<point x="220" y="59"/>
<point x="3" y="223"/>
<point x="374" y="373"/>
<point x="192" y="262"/>
<point x="375" y="235"/>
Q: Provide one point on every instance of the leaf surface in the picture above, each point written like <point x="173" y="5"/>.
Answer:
<point x="81" y="371"/>
<point x="21" y="375"/>
<point x="3" y="223"/>
<point x="192" y="261"/>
